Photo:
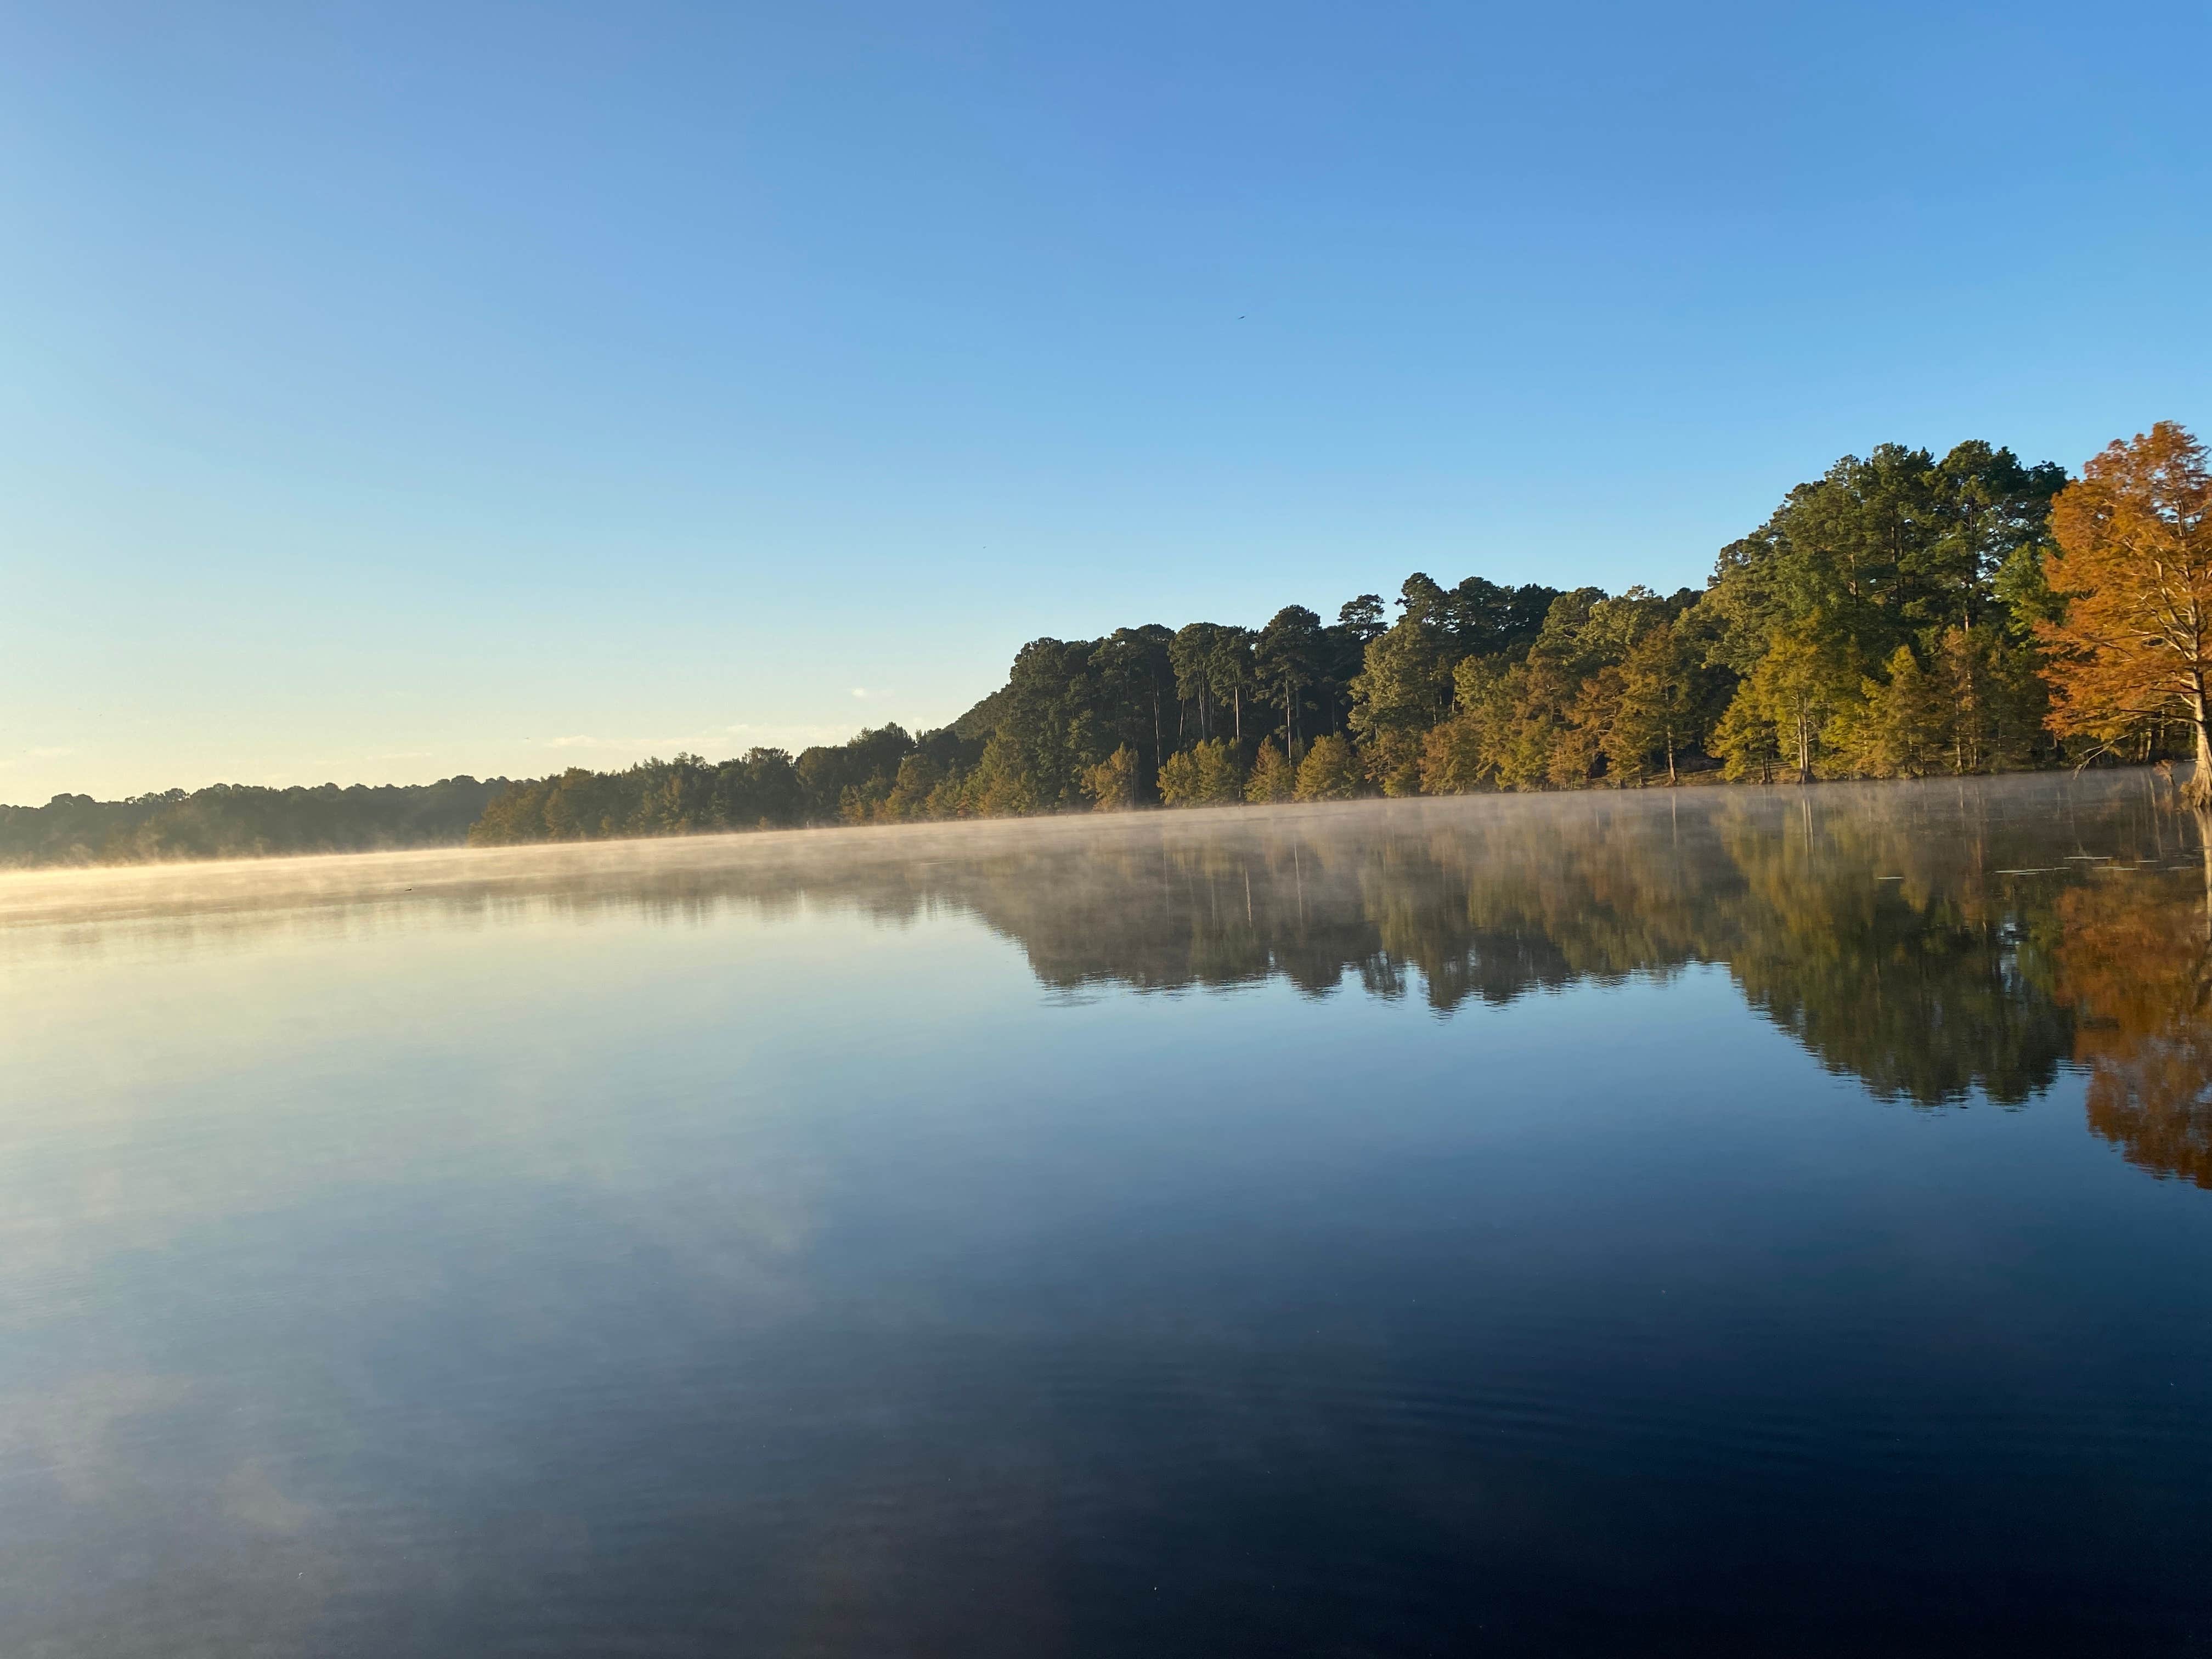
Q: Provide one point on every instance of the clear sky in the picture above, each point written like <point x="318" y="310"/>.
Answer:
<point x="393" y="390"/>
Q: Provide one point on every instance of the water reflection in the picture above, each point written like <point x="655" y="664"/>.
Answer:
<point x="2133" y="961"/>
<point x="1932" y="942"/>
<point x="1378" y="1228"/>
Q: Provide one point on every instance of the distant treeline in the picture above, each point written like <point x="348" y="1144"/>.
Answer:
<point x="239" y="821"/>
<point x="1882" y="623"/>
<point x="880" y="775"/>
<point x="1902" y="615"/>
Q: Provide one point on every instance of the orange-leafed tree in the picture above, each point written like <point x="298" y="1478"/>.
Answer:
<point x="2135" y="565"/>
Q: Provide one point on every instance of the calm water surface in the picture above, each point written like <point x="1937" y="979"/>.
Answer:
<point x="1668" y="1222"/>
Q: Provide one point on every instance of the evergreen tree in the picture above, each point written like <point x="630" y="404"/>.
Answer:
<point x="1206" y="775"/>
<point x="1402" y="689"/>
<point x="1272" y="778"/>
<point x="1287" y="658"/>
<point x="1330" y="771"/>
<point x="1660" y="709"/>
<point x="1112" y="784"/>
<point x="1897" y="728"/>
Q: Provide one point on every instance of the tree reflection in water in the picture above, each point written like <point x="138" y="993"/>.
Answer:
<point x="1935" y="941"/>
<point x="1931" y="943"/>
<point x="2135" y="962"/>
<point x="1925" y="986"/>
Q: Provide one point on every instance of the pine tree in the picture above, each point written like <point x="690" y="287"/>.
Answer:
<point x="1272" y="778"/>
<point x="1329" y="771"/>
<point x="1112" y="784"/>
<point x="1658" y="713"/>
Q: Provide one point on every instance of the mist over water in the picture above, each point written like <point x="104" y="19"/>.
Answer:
<point x="1672" y="1221"/>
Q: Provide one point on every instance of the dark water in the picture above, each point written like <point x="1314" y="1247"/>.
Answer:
<point x="1673" y="1222"/>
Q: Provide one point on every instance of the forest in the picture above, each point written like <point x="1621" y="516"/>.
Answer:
<point x="1894" y="617"/>
<point x="241" y="821"/>
<point x="1904" y="615"/>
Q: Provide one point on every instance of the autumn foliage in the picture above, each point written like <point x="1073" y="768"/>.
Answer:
<point x="2133" y="562"/>
<point x="2134" y="964"/>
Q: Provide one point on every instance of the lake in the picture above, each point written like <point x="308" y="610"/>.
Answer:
<point x="1665" y="1222"/>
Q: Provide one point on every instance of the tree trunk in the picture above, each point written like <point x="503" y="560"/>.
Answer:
<point x="1670" y="760"/>
<point x="2204" y="850"/>
<point x="2197" y="792"/>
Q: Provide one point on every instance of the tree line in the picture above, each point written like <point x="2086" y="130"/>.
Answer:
<point x="230" y="821"/>
<point x="1902" y="615"/>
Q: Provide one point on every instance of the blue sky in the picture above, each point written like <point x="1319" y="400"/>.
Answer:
<point x="401" y="390"/>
